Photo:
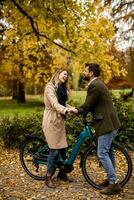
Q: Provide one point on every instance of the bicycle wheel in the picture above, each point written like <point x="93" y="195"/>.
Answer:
<point x="33" y="157"/>
<point x="94" y="172"/>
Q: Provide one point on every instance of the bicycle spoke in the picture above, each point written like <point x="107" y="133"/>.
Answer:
<point x="94" y="172"/>
<point x="33" y="157"/>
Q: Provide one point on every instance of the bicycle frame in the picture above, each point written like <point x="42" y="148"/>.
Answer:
<point x="86" y="133"/>
<point x="34" y="151"/>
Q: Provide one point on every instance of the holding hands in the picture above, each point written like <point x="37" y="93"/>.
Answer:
<point x="72" y="110"/>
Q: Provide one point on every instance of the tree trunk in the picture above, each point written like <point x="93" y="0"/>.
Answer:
<point x="15" y="89"/>
<point x="35" y="90"/>
<point x="21" y="92"/>
<point x="21" y="89"/>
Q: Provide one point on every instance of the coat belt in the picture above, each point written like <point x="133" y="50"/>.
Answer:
<point x="52" y="109"/>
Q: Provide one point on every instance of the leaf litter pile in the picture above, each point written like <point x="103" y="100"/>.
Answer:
<point x="15" y="184"/>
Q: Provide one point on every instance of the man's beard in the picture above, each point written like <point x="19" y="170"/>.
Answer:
<point x="85" y="78"/>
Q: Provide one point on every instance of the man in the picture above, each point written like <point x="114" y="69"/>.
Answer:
<point x="106" y="123"/>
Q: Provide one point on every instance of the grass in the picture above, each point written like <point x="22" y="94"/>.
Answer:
<point x="77" y="96"/>
<point x="9" y="107"/>
<point x="34" y="104"/>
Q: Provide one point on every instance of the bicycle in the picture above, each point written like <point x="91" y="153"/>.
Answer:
<point x="34" y="152"/>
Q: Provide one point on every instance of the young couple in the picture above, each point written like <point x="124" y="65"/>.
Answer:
<point x="106" y="123"/>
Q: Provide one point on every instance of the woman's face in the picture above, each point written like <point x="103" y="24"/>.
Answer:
<point x="63" y="76"/>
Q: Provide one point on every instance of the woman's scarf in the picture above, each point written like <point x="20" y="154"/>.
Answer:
<point x="62" y="94"/>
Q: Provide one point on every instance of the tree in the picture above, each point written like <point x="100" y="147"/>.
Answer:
<point x="130" y="64"/>
<point x="44" y="35"/>
<point x="122" y="13"/>
<point x="130" y="70"/>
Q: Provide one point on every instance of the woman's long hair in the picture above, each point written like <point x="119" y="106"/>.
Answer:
<point x="61" y="89"/>
<point x="55" y="77"/>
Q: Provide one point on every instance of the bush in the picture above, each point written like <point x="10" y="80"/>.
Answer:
<point x="126" y="116"/>
<point x="13" y="130"/>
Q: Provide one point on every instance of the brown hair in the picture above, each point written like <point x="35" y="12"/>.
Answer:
<point x="94" y="67"/>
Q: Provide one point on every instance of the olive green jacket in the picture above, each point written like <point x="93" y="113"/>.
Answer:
<point x="99" y="103"/>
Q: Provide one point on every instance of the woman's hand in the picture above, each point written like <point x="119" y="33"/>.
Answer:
<point x="72" y="110"/>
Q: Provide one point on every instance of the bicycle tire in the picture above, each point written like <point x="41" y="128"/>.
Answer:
<point x="90" y="164"/>
<point x="34" y="164"/>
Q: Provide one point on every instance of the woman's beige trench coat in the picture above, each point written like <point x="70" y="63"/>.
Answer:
<point x="53" y="122"/>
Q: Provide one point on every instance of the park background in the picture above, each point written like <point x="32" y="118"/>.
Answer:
<point x="37" y="37"/>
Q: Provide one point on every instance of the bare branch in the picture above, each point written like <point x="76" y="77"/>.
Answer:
<point x="59" y="45"/>
<point x="60" y="18"/>
<point x="125" y="17"/>
<point x="29" y="33"/>
<point x="34" y="26"/>
<point x="120" y="6"/>
<point x="65" y="4"/>
<point x="28" y="16"/>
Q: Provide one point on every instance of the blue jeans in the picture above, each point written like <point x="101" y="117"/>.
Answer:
<point x="54" y="156"/>
<point x="106" y="154"/>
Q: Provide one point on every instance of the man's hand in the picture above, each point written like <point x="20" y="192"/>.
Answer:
<point x="72" y="110"/>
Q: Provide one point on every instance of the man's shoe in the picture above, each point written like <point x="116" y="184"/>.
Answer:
<point x="111" y="189"/>
<point x="49" y="182"/>
<point x="105" y="183"/>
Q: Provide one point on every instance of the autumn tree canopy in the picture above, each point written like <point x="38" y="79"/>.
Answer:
<point x="43" y="35"/>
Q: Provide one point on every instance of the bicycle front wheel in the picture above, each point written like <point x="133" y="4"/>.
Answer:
<point x="33" y="157"/>
<point x="94" y="172"/>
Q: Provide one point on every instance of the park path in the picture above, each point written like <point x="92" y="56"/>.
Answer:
<point x="15" y="184"/>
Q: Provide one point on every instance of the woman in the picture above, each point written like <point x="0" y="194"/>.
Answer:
<point x="53" y="122"/>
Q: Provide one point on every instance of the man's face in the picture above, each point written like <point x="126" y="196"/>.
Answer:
<point x="87" y="75"/>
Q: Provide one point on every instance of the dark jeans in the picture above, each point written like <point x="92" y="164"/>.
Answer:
<point x="54" y="156"/>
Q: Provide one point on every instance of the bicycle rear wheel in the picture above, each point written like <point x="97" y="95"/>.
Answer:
<point x="94" y="172"/>
<point x="33" y="157"/>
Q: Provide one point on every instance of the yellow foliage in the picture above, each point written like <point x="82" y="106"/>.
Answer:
<point x="82" y="27"/>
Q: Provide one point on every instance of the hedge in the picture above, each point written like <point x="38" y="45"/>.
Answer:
<point x="13" y="130"/>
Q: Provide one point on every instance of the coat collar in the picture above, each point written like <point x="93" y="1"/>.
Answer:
<point x="92" y="80"/>
<point x="53" y="85"/>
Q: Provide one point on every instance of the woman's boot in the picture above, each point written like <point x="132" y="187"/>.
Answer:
<point x="62" y="175"/>
<point x="49" y="181"/>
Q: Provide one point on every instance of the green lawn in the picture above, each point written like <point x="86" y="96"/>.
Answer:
<point x="77" y="96"/>
<point x="10" y="107"/>
<point x="34" y="104"/>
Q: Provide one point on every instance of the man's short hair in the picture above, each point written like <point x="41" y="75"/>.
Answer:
<point x="95" y="68"/>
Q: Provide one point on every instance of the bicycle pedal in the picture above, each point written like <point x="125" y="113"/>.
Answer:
<point x="37" y="168"/>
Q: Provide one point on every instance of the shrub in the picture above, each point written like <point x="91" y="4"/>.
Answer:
<point x="126" y="116"/>
<point x="13" y="130"/>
